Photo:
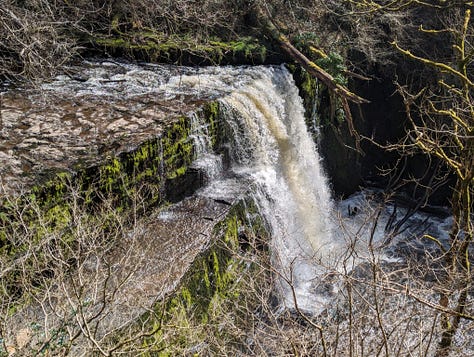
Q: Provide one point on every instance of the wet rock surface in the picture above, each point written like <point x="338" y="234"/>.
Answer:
<point x="98" y="110"/>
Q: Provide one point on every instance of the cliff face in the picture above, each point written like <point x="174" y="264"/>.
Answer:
<point x="90" y="148"/>
<point x="383" y="122"/>
<point x="91" y="167"/>
<point x="354" y="161"/>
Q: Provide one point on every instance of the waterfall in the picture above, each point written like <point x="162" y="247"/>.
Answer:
<point x="206" y="160"/>
<point x="272" y="156"/>
<point x="272" y="151"/>
<point x="264" y="153"/>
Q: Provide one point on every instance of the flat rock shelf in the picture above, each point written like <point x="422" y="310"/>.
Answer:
<point x="98" y="111"/>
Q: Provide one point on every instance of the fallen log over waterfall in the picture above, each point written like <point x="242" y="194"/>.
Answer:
<point x="305" y="62"/>
<point x="344" y="94"/>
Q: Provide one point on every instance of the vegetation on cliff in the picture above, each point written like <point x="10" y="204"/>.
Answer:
<point x="425" y="47"/>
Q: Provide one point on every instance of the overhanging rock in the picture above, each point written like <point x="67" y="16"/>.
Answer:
<point x="105" y="124"/>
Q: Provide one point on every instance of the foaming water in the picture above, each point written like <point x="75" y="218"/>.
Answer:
<point x="271" y="148"/>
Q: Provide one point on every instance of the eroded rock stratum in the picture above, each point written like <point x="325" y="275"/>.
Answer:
<point x="88" y="165"/>
<point x="85" y="118"/>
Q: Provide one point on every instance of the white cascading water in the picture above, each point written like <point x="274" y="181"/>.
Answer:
<point x="206" y="160"/>
<point x="273" y="149"/>
<point x="273" y="159"/>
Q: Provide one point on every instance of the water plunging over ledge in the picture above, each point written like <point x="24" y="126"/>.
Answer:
<point x="272" y="149"/>
<point x="274" y="160"/>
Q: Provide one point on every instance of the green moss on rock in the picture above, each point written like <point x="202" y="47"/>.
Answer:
<point x="178" y="148"/>
<point x="212" y="289"/>
<point x="182" y="49"/>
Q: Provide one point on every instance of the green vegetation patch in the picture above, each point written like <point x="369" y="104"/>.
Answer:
<point x="321" y="105"/>
<point x="214" y="300"/>
<point x="182" y="49"/>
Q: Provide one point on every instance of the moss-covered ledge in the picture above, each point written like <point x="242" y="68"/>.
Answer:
<point x="216" y="297"/>
<point x="179" y="49"/>
<point x="155" y="172"/>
